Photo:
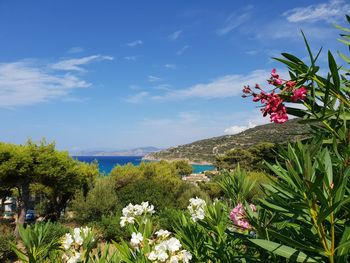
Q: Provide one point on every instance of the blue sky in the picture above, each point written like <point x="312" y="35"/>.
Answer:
<point x="124" y="74"/>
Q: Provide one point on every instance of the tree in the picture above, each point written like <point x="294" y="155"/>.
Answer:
<point x="40" y="168"/>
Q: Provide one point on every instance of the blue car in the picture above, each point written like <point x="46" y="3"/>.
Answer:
<point x="30" y="215"/>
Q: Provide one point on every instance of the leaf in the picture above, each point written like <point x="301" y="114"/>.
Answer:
<point x="282" y="250"/>
<point x="344" y="245"/>
<point x="334" y="70"/>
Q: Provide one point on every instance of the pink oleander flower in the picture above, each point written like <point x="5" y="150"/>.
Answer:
<point x="275" y="78"/>
<point x="299" y="94"/>
<point x="238" y="215"/>
<point x="290" y="84"/>
<point x="274" y="74"/>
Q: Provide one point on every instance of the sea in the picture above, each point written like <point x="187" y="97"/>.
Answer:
<point x="106" y="163"/>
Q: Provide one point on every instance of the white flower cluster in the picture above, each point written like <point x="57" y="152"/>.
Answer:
<point x="196" y="208"/>
<point x="168" y="250"/>
<point x="72" y="243"/>
<point x="131" y="211"/>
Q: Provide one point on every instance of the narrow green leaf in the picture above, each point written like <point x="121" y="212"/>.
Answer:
<point x="344" y="245"/>
<point x="334" y="70"/>
<point x="282" y="250"/>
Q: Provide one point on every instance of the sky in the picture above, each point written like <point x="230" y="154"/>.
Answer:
<point x="126" y="74"/>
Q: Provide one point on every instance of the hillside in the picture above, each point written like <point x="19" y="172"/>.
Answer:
<point x="204" y="151"/>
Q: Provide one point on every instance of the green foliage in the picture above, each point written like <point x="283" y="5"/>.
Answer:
<point x="38" y="168"/>
<point x="252" y="158"/>
<point x="156" y="192"/>
<point x="6" y="238"/>
<point x="40" y="243"/>
<point x="183" y="167"/>
<point x="110" y="229"/>
<point x="239" y="186"/>
<point x="100" y="201"/>
<point x="157" y="182"/>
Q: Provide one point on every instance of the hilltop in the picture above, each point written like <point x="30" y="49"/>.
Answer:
<point x="205" y="151"/>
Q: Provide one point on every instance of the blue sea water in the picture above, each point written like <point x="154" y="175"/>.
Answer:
<point x="106" y="163"/>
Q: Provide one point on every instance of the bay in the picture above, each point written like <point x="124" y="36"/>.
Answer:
<point x="106" y="163"/>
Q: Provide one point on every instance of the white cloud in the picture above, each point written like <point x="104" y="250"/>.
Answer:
<point x="135" y="43"/>
<point x="182" y="50"/>
<point x="237" y="128"/>
<point x="175" y="35"/>
<point x="153" y="78"/>
<point x="26" y="84"/>
<point x="331" y="11"/>
<point x="137" y="98"/>
<point x="170" y="66"/>
<point x="252" y="52"/>
<point x="234" y="20"/>
<point x="226" y="86"/>
<point x="75" y="50"/>
<point x="75" y="63"/>
<point x="131" y="58"/>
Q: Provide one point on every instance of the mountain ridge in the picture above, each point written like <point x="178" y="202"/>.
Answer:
<point x="204" y="151"/>
<point x="140" y="151"/>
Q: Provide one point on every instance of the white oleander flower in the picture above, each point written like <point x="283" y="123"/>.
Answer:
<point x="162" y="256"/>
<point x="152" y="256"/>
<point x="173" y="244"/>
<point x="75" y="258"/>
<point x="162" y="233"/>
<point x="136" y="239"/>
<point x="196" y="209"/>
<point x="67" y="241"/>
<point x="186" y="256"/>
<point x="77" y="237"/>
<point x="86" y="231"/>
<point x="174" y="259"/>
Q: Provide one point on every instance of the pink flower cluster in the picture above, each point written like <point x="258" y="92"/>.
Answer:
<point x="238" y="216"/>
<point x="273" y="103"/>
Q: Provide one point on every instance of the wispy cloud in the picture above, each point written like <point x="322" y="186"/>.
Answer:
<point x="175" y="35"/>
<point x="75" y="64"/>
<point x="131" y="58"/>
<point x="137" y="98"/>
<point x="26" y="84"/>
<point x="234" y="20"/>
<point x="170" y="66"/>
<point x="153" y="78"/>
<point x="331" y="11"/>
<point x="222" y="87"/>
<point x="182" y="50"/>
<point x="30" y="82"/>
<point x="75" y="50"/>
<point x="135" y="43"/>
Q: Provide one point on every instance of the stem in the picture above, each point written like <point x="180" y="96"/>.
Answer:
<point x="331" y="256"/>
<point x="320" y="230"/>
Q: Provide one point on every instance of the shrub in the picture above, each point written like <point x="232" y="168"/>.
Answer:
<point x="100" y="201"/>
<point x="41" y="242"/>
<point x="110" y="229"/>
<point x="6" y="238"/>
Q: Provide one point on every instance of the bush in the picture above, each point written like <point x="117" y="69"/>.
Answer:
<point x="6" y="237"/>
<point x="110" y="229"/>
<point x="41" y="242"/>
<point x="100" y="201"/>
